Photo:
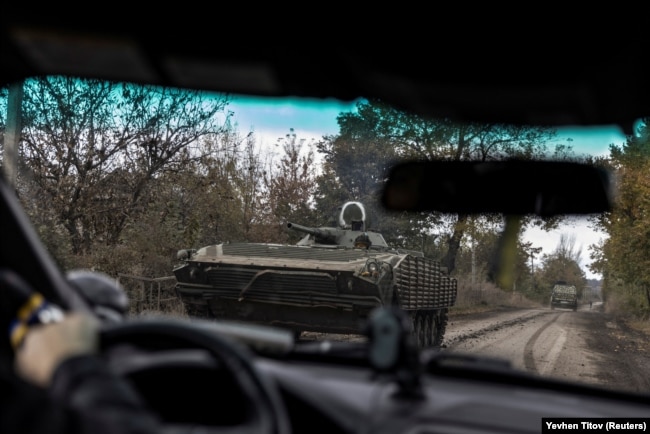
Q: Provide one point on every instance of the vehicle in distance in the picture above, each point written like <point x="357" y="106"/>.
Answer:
<point x="564" y="296"/>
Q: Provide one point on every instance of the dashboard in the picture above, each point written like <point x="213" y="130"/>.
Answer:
<point x="334" y="396"/>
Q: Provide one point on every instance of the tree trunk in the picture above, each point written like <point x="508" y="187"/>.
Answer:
<point x="449" y="260"/>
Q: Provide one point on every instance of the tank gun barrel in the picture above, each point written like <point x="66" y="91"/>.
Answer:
<point x="320" y="233"/>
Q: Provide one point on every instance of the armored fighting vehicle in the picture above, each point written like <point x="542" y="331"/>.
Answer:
<point x="564" y="296"/>
<point x="328" y="282"/>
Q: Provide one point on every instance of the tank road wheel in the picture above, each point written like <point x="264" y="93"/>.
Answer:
<point x="429" y="328"/>
<point x="433" y="328"/>
<point x="419" y="330"/>
<point x="424" y="328"/>
<point x="440" y="320"/>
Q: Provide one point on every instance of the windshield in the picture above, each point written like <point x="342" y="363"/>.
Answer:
<point x="267" y="211"/>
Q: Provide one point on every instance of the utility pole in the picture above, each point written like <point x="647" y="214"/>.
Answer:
<point x="532" y="268"/>
<point x="12" y="133"/>
<point x="531" y="252"/>
<point x="473" y="265"/>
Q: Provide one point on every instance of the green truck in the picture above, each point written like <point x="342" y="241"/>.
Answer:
<point x="564" y="296"/>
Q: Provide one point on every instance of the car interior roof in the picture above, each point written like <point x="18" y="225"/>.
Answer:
<point x="519" y="73"/>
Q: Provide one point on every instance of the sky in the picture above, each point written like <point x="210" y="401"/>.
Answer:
<point x="313" y="119"/>
<point x="310" y="119"/>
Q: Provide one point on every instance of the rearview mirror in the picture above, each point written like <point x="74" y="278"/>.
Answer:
<point x="513" y="187"/>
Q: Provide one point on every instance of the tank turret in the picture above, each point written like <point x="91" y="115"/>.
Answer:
<point x="351" y="232"/>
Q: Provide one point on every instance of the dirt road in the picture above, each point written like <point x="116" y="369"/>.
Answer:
<point x="585" y="346"/>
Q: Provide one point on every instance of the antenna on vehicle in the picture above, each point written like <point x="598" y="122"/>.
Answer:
<point x="352" y="213"/>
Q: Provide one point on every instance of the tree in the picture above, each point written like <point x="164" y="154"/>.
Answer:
<point x="93" y="147"/>
<point x="210" y="200"/>
<point x="290" y="188"/>
<point x="376" y="135"/>
<point x="355" y="166"/>
<point x="624" y="257"/>
<point x="563" y="264"/>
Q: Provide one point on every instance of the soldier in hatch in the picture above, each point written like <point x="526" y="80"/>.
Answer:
<point x="362" y="242"/>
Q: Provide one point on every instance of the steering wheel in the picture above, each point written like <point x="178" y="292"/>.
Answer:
<point x="266" y="412"/>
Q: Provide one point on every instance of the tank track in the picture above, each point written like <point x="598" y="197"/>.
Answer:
<point x="429" y="327"/>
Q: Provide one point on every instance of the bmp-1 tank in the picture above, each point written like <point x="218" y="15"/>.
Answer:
<point x="328" y="282"/>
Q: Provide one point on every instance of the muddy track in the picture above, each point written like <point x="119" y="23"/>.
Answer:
<point x="529" y="358"/>
<point x="585" y="346"/>
<point x="476" y="326"/>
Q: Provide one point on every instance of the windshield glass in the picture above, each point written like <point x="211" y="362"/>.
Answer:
<point x="266" y="210"/>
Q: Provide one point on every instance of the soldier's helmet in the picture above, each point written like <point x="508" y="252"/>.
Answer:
<point x="362" y="242"/>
